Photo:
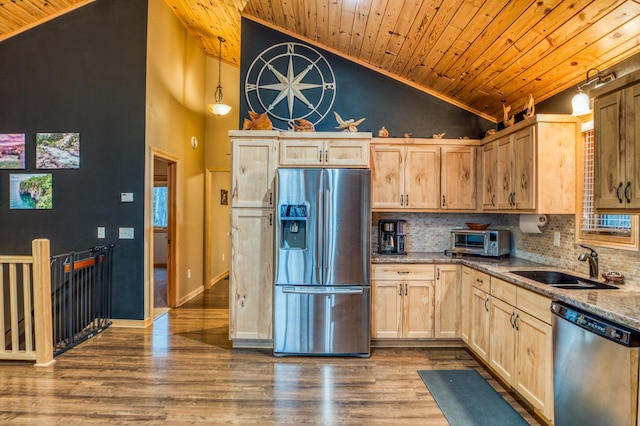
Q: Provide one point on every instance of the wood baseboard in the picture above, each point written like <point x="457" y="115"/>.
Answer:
<point x="125" y="323"/>
<point x="215" y="280"/>
<point x="417" y="343"/>
<point x="186" y="298"/>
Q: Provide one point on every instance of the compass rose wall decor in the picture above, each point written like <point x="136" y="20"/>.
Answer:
<point x="290" y="81"/>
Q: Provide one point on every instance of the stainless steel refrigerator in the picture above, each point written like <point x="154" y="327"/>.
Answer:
<point x="322" y="294"/>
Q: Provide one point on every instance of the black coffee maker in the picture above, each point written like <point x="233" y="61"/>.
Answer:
<point x="391" y="236"/>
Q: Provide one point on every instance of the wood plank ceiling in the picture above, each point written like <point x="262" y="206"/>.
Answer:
<point x="477" y="54"/>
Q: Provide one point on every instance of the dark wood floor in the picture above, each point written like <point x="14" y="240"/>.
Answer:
<point x="183" y="371"/>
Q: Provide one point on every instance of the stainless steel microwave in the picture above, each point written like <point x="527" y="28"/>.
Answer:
<point x="490" y="242"/>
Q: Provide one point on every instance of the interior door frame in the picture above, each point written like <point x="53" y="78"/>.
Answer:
<point x="172" y="228"/>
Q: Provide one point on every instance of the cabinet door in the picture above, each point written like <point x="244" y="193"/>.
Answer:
<point x="608" y="148"/>
<point x="346" y="153"/>
<point x="466" y="282"/>
<point x="502" y="357"/>
<point x="422" y="177"/>
<point x="386" y="307"/>
<point x="458" y="182"/>
<point x="251" y="288"/>
<point x="303" y="152"/>
<point x="505" y="173"/>
<point x="479" y="338"/>
<point x="418" y="309"/>
<point x="447" y="301"/>
<point x="489" y="176"/>
<point x="253" y="165"/>
<point x="524" y="171"/>
<point x="632" y="151"/>
<point x="387" y="176"/>
<point x="534" y="355"/>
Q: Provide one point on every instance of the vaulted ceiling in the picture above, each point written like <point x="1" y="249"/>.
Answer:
<point x="477" y="54"/>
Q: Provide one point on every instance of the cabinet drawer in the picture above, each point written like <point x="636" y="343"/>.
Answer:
<point x="534" y="304"/>
<point x="403" y="272"/>
<point x="481" y="281"/>
<point x="503" y="290"/>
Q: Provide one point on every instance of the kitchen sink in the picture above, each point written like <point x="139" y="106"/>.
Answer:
<point x="563" y="280"/>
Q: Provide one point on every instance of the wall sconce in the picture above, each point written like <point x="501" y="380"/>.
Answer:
<point x="219" y="108"/>
<point x="581" y="104"/>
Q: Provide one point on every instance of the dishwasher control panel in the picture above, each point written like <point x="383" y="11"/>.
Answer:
<point x="600" y="326"/>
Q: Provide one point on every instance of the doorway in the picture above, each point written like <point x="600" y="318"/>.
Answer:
<point x="163" y="235"/>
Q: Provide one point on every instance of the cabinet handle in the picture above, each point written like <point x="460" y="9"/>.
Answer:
<point x="618" y="192"/>
<point x="400" y="292"/>
<point x="437" y="273"/>
<point x="443" y="201"/>
<point x="326" y="155"/>
<point x="493" y="200"/>
<point x="271" y="198"/>
<point x="403" y="272"/>
<point x="486" y="304"/>
<point x="406" y="288"/>
<point x="270" y="219"/>
<point x="406" y="200"/>
<point x="515" y="322"/>
<point x="478" y="280"/>
<point x="627" y="192"/>
<point x="320" y="157"/>
<point x="513" y="314"/>
<point x="401" y="200"/>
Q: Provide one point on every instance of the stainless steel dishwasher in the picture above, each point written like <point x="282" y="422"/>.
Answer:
<point x="595" y="369"/>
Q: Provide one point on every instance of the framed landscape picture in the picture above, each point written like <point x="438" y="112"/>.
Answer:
<point x="31" y="191"/>
<point x="12" y="150"/>
<point x="58" y="150"/>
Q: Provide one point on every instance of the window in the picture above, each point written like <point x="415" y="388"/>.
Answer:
<point x="160" y="207"/>
<point x="605" y="230"/>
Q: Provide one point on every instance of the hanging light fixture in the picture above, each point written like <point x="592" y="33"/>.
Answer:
<point x="581" y="104"/>
<point x="219" y="108"/>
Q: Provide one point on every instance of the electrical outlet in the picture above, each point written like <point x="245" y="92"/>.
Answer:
<point x="188" y="273"/>
<point x="556" y="239"/>
<point x="223" y="257"/>
<point x="101" y="232"/>
<point x="125" y="233"/>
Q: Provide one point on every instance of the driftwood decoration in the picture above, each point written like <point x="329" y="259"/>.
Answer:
<point x="257" y="122"/>
<point x="529" y="108"/>
<point x="508" y="121"/>
<point x="348" y="125"/>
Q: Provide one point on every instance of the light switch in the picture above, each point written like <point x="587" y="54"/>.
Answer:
<point x="125" y="233"/>
<point x="556" y="239"/>
<point x="126" y="197"/>
<point x="101" y="232"/>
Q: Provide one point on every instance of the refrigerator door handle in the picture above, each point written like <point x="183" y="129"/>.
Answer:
<point x="322" y="290"/>
<point x="327" y="218"/>
<point x="319" y="241"/>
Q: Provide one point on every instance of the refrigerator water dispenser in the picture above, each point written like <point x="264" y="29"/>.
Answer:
<point x="293" y="226"/>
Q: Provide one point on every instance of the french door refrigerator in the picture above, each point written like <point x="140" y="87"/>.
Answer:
<point x="322" y="289"/>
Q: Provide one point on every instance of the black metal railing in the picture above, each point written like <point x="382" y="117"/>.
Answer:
<point x="80" y="296"/>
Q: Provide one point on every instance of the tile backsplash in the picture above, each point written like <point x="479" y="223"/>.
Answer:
<point x="429" y="232"/>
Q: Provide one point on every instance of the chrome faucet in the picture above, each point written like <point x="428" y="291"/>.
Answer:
<point x="593" y="261"/>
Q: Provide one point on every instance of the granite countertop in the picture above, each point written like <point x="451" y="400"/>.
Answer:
<point x="621" y="306"/>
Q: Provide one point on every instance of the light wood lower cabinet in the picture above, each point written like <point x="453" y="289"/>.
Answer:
<point x="447" y="301"/>
<point x="402" y="301"/>
<point x="468" y="279"/>
<point x="520" y="349"/>
<point x="251" y="275"/>
<point x="479" y="333"/>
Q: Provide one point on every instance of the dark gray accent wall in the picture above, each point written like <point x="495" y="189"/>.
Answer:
<point x="362" y="92"/>
<point x="82" y="72"/>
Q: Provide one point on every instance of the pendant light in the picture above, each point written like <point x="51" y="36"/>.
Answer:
<point x="219" y="108"/>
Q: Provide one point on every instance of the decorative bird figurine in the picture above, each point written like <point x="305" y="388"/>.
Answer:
<point x="303" y="126"/>
<point x="529" y="108"/>
<point x="349" y="125"/>
<point x="439" y="135"/>
<point x="257" y="122"/>
<point x="506" y="120"/>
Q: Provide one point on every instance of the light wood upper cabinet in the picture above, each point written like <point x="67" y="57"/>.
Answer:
<point x="458" y="178"/>
<point x="254" y="157"/>
<point x="617" y="148"/>
<point x="423" y="177"/>
<point x="447" y="301"/>
<point x="324" y="149"/>
<point x="535" y="163"/>
<point x="489" y="186"/>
